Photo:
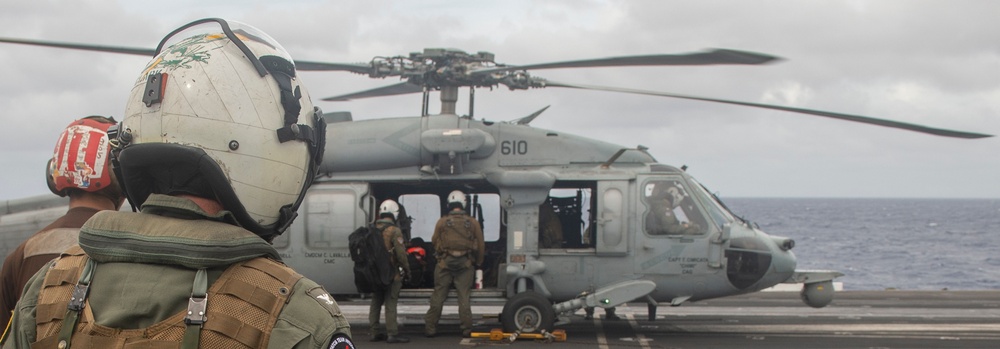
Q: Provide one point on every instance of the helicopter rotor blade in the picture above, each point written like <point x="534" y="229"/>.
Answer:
<point x="715" y="56"/>
<point x="360" y="68"/>
<point x="390" y="90"/>
<point x="87" y="47"/>
<point x="839" y="116"/>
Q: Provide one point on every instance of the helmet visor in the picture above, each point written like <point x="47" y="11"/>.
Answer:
<point x="210" y="29"/>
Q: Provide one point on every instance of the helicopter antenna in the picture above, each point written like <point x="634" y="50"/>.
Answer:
<point x="472" y="101"/>
<point x="426" y="101"/>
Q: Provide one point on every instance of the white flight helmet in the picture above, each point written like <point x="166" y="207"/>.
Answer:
<point x="456" y="197"/>
<point x="220" y="113"/>
<point x="390" y="207"/>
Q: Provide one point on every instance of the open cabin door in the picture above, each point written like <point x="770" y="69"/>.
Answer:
<point x="611" y="218"/>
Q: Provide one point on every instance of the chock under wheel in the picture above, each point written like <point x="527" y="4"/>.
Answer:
<point x="497" y="334"/>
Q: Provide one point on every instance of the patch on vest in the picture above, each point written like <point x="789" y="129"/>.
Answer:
<point x="325" y="300"/>
<point x="341" y="341"/>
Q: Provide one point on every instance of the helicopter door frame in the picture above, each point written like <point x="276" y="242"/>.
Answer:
<point x="683" y="252"/>
<point x="316" y="244"/>
<point x="612" y="217"/>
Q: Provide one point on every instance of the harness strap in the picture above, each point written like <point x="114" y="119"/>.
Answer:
<point x="76" y="303"/>
<point x="246" y="301"/>
<point x="196" y="310"/>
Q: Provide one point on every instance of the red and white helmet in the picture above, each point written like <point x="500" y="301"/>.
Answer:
<point x="221" y="113"/>
<point x="81" y="157"/>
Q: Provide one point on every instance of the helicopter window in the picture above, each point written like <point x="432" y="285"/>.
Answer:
<point x="487" y="211"/>
<point x="719" y="214"/>
<point x="671" y="209"/>
<point x="562" y="218"/>
<point x="425" y="210"/>
<point x="328" y="212"/>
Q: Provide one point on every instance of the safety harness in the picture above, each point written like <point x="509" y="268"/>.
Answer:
<point x="237" y="311"/>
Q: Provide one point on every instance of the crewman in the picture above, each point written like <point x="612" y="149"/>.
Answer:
<point x="460" y="249"/>
<point x="393" y="239"/>
<point x="217" y="148"/>
<point x="80" y="168"/>
<point x="661" y="219"/>
<point x="549" y="226"/>
<point x="609" y="313"/>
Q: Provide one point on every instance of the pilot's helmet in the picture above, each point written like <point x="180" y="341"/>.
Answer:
<point x="81" y="160"/>
<point x="667" y="194"/>
<point x="388" y="207"/>
<point x="456" y="199"/>
<point x="220" y="113"/>
<point x="675" y="195"/>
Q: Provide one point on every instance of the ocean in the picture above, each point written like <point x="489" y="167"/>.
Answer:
<point x="906" y="244"/>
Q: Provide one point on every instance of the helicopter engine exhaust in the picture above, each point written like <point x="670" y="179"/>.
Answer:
<point x="818" y="294"/>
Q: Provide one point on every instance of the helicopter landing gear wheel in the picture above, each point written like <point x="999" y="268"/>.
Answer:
<point x="527" y="312"/>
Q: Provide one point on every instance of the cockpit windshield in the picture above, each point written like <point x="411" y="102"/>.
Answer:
<point x="671" y="209"/>
<point x="715" y="209"/>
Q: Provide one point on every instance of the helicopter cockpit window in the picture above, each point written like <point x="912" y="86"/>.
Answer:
<point x="715" y="209"/>
<point x="672" y="210"/>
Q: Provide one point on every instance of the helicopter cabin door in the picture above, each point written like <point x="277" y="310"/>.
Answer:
<point x="317" y="242"/>
<point x="611" y="218"/>
<point x="674" y="232"/>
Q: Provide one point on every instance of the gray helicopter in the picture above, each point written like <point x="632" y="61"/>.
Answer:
<point x="627" y="228"/>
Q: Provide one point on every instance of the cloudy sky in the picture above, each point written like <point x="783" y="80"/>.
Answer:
<point x="927" y="62"/>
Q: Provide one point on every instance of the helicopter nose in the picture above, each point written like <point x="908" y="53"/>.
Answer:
<point x="784" y="243"/>
<point x="783" y="261"/>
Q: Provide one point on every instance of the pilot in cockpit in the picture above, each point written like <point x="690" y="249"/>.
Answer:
<point x="662" y="217"/>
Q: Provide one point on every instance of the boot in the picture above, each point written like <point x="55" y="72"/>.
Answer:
<point x="397" y="339"/>
<point x="610" y="314"/>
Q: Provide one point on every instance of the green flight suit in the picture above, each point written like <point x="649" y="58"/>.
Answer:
<point x="393" y="239"/>
<point x="459" y="248"/>
<point x="146" y="266"/>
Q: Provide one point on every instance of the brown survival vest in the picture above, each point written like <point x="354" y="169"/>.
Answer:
<point x="240" y="310"/>
<point x="457" y="235"/>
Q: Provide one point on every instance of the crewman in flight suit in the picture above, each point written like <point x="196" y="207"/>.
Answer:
<point x="460" y="249"/>
<point x="661" y="219"/>
<point x="80" y="168"/>
<point x="393" y="239"/>
<point x="217" y="148"/>
<point x="550" y="228"/>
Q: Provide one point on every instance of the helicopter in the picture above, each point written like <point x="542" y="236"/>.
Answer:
<point x="613" y="245"/>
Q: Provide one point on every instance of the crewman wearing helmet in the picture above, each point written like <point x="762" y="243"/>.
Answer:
<point x="392" y="237"/>
<point x="80" y="168"/>
<point x="460" y="249"/>
<point x="662" y="219"/>
<point x="217" y="148"/>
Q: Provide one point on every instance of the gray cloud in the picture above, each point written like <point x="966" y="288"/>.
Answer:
<point x="929" y="62"/>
